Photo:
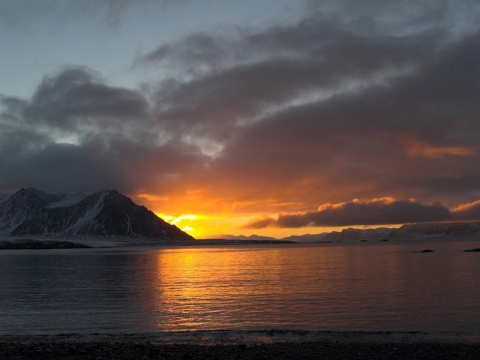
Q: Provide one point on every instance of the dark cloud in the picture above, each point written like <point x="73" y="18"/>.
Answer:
<point x="361" y="142"/>
<point x="78" y="133"/>
<point x="194" y="52"/>
<point x="237" y="81"/>
<point x="76" y="96"/>
<point x="61" y="167"/>
<point x="320" y="37"/>
<point x="374" y="212"/>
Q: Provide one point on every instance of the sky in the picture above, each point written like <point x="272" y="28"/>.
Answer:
<point x="273" y="117"/>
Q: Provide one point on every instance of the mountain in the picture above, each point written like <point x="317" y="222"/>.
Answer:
<point x="3" y="197"/>
<point x="405" y="232"/>
<point x="306" y="238"/>
<point x="426" y="230"/>
<point x="105" y="213"/>
<point x="358" y="234"/>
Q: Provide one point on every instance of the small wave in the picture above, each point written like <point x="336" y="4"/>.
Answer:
<point x="216" y="337"/>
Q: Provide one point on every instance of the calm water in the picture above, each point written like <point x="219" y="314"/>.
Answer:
<point x="367" y="287"/>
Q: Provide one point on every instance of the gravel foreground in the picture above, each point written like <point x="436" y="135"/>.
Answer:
<point x="279" y="350"/>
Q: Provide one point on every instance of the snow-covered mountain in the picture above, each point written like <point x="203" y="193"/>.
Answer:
<point x="426" y="230"/>
<point x="4" y="197"/>
<point x="358" y="234"/>
<point x="306" y="238"/>
<point x="105" y="213"/>
<point x="405" y="232"/>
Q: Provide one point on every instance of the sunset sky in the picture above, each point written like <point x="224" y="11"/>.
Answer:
<point x="272" y="117"/>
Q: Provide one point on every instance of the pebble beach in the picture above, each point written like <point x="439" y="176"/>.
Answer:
<point x="283" y="350"/>
<point x="243" y="346"/>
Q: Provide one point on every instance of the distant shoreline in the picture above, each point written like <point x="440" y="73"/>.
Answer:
<point x="80" y="242"/>
<point x="30" y="244"/>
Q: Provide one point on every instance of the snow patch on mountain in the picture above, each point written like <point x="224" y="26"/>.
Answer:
<point x="419" y="231"/>
<point x="67" y="200"/>
<point x="437" y="230"/>
<point x="89" y="216"/>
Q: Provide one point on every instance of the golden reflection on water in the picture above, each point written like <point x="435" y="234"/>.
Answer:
<point x="196" y="284"/>
<point x="337" y="287"/>
<point x="211" y="287"/>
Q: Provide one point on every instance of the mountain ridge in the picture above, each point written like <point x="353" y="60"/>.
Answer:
<point x="32" y="212"/>
<point x="105" y="213"/>
<point x="404" y="232"/>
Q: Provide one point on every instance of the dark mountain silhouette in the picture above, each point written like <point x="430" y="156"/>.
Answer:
<point x="105" y="213"/>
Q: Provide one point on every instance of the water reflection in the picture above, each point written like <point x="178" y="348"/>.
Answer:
<point x="209" y="288"/>
<point x="366" y="287"/>
<point x="342" y="288"/>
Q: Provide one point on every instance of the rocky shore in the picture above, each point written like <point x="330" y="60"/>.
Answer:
<point x="39" y="244"/>
<point x="282" y="350"/>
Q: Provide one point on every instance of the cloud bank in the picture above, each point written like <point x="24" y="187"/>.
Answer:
<point x="381" y="211"/>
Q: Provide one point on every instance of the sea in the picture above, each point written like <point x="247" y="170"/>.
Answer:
<point x="299" y="289"/>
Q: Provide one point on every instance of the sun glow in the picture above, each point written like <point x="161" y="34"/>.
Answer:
<point x="215" y="225"/>
<point x="175" y="220"/>
<point x="194" y="224"/>
<point x="202" y="221"/>
<point x="205" y="226"/>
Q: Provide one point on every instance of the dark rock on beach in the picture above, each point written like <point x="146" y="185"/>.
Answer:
<point x="472" y="250"/>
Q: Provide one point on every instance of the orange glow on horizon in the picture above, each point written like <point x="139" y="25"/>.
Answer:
<point x="204" y="226"/>
<point x="232" y="219"/>
<point x="203" y="217"/>
<point x="213" y="226"/>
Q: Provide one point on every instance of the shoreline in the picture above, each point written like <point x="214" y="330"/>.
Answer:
<point x="82" y="243"/>
<point x="250" y="337"/>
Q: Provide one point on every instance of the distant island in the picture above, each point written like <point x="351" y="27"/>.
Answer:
<point x="40" y="244"/>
